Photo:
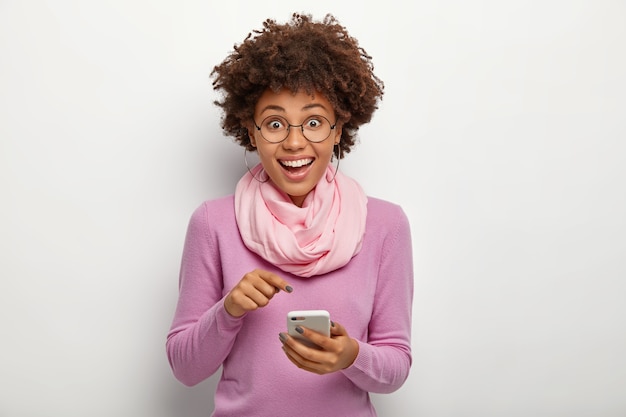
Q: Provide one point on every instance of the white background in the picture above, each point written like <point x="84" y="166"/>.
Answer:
<point x="502" y="134"/>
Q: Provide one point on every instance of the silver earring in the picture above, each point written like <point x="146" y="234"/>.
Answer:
<point x="245" y="159"/>
<point x="332" y="159"/>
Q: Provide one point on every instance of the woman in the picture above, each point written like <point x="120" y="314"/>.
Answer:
<point x="297" y="234"/>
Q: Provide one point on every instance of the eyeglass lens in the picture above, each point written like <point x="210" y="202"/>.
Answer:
<point x="276" y="128"/>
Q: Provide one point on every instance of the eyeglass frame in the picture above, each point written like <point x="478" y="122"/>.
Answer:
<point x="289" y="126"/>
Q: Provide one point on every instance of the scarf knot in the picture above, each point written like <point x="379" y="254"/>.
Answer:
<point x="319" y="237"/>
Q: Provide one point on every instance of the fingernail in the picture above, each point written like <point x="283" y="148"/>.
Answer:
<point x="282" y="337"/>
<point x="332" y="323"/>
<point x="288" y="288"/>
<point x="299" y="329"/>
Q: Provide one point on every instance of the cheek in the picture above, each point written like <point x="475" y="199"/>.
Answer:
<point x="328" y="151"/>
<point x="263" y="152"/>
<point x="266" y="156"/>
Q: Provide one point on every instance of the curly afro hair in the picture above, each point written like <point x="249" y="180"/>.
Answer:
<point x="301" y="55"/>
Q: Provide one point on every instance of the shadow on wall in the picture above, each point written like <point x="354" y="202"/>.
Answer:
<point x="215" y="165"/>
<point x="182" y="401"/>
<point x="218" y="164"/>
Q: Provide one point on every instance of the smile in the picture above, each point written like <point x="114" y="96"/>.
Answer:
<point x="297" y="163"/>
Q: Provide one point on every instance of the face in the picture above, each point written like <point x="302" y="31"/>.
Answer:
<point x="295" y="165"/>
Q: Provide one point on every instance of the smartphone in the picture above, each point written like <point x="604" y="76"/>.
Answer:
<point x="317" y="320"/>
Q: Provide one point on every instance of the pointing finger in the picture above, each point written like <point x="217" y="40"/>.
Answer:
<point x="275" y="280"/>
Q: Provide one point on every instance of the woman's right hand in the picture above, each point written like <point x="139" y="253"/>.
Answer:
<point x="254" y="290"/>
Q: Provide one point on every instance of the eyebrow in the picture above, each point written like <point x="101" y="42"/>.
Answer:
<point x="282" y="109"/>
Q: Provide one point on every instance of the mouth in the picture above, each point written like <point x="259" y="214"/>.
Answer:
<point x="297" y="165"/>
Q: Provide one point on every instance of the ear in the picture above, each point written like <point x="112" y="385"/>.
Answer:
<point x="338" y="131"/>
<point x="251" y="134"/>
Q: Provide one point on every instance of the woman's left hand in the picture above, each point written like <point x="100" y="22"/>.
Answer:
<point x="336" y="352"/>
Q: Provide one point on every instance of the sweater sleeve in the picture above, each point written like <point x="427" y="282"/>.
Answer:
<point x="383" y="363"/>
<point x="202" y="332"/>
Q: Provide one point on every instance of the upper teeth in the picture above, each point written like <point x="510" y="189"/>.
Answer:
<point x="298" y="163"/>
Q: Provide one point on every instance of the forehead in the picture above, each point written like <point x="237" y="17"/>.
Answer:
<point x="287" y="102"/>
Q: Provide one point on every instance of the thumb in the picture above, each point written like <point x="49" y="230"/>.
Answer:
<point x="337" y="329"/>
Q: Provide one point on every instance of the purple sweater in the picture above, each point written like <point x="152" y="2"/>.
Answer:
<point x="371" y="297"/>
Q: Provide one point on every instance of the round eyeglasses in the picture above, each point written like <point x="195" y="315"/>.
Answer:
<point x="275" y="129"/>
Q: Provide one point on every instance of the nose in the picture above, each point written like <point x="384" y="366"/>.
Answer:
<point x="295" y="138"/>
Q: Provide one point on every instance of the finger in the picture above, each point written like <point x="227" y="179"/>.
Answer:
<point x="300" y="360"/>
<point x="243" y="301"/>
<point x="264" y="288"/>
<point x="238" y="303"/>
<point x="296" y="360"/>
<point x="337" y="329"/>
<point x="319" y="339"/>
<point x="255" y="289"/>
<point x="274" y="280"/>
<point x="258" y="298"/>
<point x="255" y="282"/>
<point x="301" y="346"/>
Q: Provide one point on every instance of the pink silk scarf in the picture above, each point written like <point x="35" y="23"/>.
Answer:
<point x="319" y="237"/>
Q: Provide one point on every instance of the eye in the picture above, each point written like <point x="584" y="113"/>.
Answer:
<point x="275" y="124"/>
<point x="314" y="123"/>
